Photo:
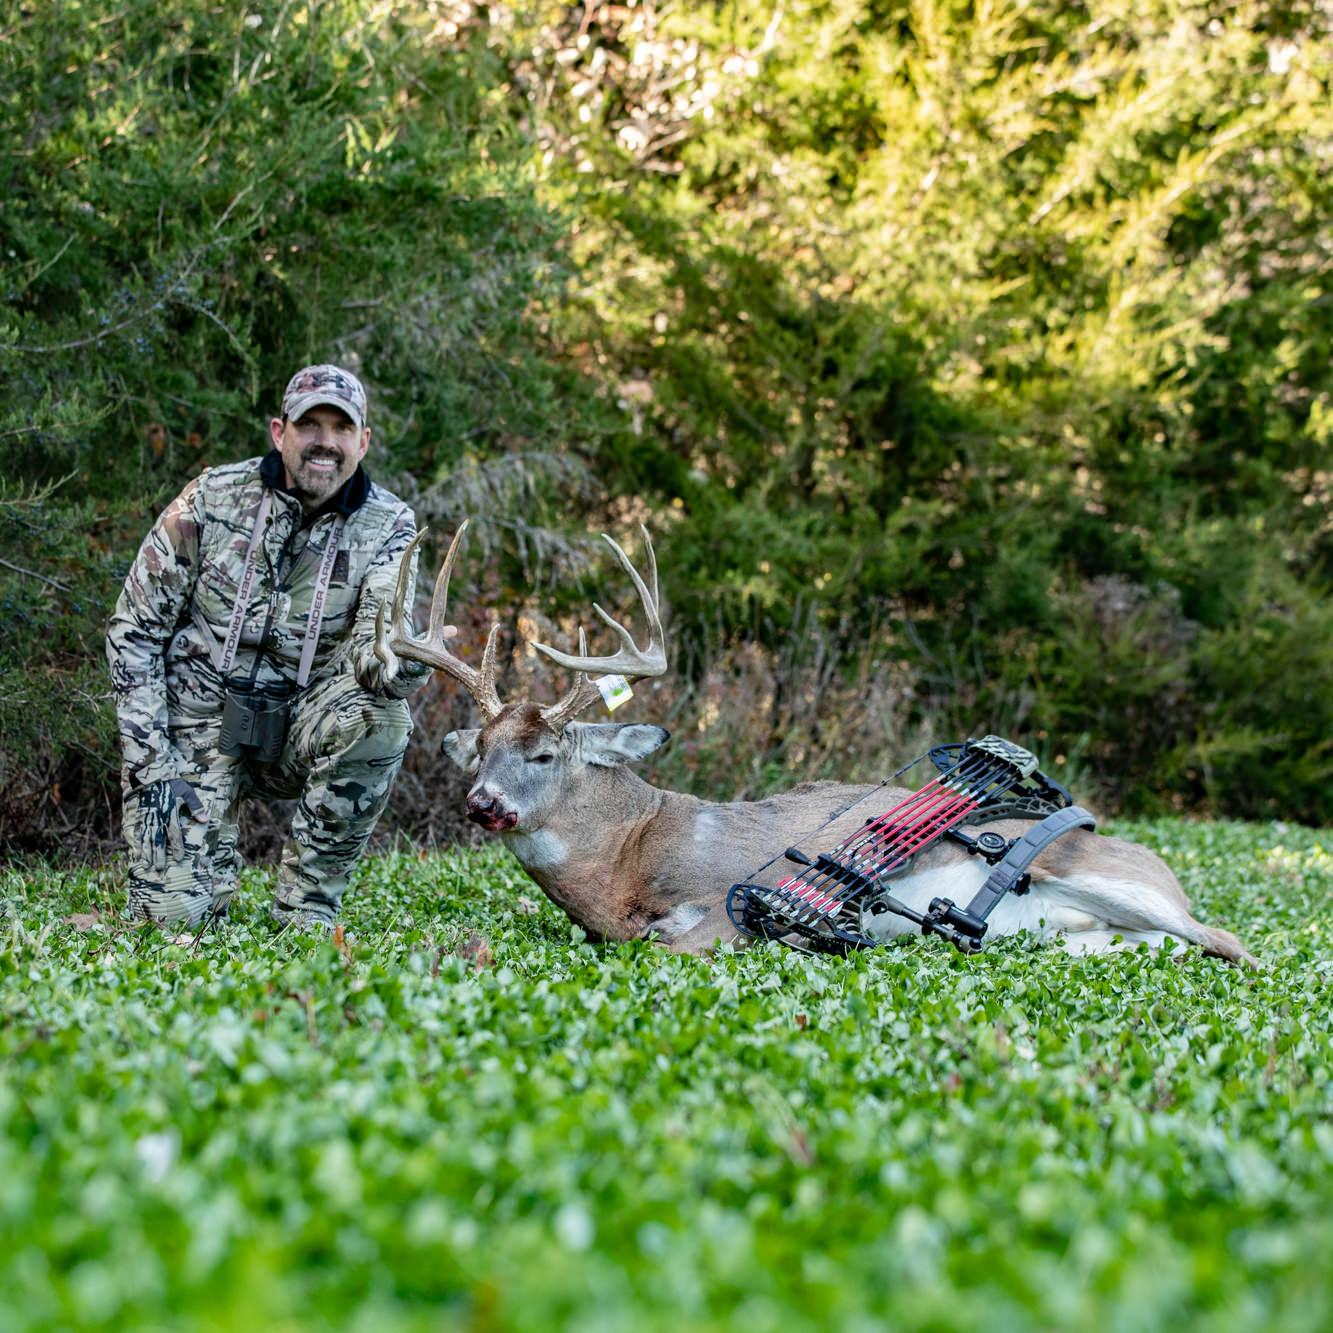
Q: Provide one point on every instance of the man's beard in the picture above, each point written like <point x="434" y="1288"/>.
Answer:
<point x="316" y="485"/>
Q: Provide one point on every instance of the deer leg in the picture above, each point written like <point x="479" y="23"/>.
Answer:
<point x="1138" y="911"/>
<point x="1223" y="944"/>
<point x="694" y="928"/>
<point x="680" y="919"/>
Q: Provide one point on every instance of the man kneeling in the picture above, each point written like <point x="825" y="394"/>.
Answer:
<point x="242" y="661"/>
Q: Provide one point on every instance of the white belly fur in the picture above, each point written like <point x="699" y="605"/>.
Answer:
<point x="1051" y="909"/>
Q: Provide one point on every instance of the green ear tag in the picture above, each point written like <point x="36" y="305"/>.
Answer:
<point x="614" y="690"/>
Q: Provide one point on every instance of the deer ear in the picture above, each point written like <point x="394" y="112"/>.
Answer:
<point x="608" y="743"/>
<point x="461" y="747"/>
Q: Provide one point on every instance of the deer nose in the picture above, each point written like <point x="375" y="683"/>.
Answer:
<point x="480" y="804"/>
<point x="488" y="809"/>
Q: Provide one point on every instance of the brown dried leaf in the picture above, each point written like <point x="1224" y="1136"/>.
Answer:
<point x="340" y="943"/>
<point x="478" y="949"/>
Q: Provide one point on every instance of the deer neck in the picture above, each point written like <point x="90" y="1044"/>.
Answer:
<point x="606" y="858"/>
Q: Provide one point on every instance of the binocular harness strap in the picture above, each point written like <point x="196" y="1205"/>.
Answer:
<point x="233" y="639"/>
<point x="323" y="579"/>
<point x="317" y="602"/>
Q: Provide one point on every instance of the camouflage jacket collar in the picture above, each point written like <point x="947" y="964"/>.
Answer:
<point x="353" y="495"/>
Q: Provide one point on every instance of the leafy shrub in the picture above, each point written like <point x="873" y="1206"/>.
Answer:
<point x="1264" y="683"/>
<point x="944" y="321"/>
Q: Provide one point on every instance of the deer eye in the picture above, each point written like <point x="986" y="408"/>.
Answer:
<point x="542" y="759"/>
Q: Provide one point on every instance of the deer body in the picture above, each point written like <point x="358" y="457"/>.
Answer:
<point x="626" y="860"/>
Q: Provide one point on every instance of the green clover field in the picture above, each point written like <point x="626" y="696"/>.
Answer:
<point x="462" y="1115"/>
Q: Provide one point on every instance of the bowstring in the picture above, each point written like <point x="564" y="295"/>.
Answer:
<point x="836" y="815"/>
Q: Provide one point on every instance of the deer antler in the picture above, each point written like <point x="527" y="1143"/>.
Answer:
<point x="431" y="647"/>
<point x="630" y="661"/>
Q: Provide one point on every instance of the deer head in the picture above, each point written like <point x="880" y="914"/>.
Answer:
<point x="525" y="755"/>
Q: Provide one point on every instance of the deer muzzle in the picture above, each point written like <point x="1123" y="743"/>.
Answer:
<point x="489" y="811"/>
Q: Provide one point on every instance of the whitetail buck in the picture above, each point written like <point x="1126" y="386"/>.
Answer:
<point x="626" y="860"/>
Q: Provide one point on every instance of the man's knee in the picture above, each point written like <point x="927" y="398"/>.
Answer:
<point x="181" y="890"/>
<point x="337" y="718"/>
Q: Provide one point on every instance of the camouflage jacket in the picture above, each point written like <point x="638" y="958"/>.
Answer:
<point x="165" y="637"/>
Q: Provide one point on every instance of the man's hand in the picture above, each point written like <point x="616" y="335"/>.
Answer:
<point x="165" y="806"/>
<point x="389" y="661"/>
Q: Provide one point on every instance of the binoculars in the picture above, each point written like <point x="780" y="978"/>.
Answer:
<point x="254" y="720"/>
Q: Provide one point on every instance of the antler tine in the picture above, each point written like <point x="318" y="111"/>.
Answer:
<point x="487" y="680"/>
<point x="647" y="595"/>
<point x="431" y="647"/>
<point x="652" y="565"/>
<point x="440" y="597"/>
<point x="400" y="588"/>
<point x="630" y="661"/>
<point x="579" y="696"/>
<point x="398" y="630"/>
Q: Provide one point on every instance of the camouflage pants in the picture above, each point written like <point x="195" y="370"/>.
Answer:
<point x="342" y="752"/>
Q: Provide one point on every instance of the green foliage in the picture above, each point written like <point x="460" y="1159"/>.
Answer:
<point x="967" y="316"/>
<point x="258" y="1129"/>
<point x="1268" y="675"/>
<point x="969" y="326"/>
<point x="198" y="201"/>
<point x="57" y="738"/>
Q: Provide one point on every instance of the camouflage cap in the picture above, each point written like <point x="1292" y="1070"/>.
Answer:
<point x="328" y="385"/>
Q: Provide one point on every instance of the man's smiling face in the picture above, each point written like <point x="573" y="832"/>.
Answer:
<point x="320" y="451"/>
